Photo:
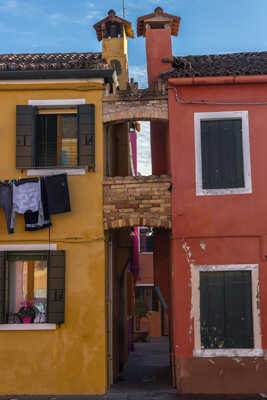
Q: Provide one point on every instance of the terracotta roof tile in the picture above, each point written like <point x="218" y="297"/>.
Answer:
<point x="218" y="65"/>
<point x="51" y="61"/>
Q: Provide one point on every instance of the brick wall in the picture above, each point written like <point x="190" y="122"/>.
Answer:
<point x="115" y="110"/>
<point x="137" y="201"/>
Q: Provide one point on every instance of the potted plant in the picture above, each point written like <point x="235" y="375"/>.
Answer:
<point x="140" y="311"/>
<point x="27" y="312"/>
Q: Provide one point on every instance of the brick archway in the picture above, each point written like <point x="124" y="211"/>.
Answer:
<point x="118" y="109"/>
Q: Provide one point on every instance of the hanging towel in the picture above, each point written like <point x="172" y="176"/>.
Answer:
<point x="57" y="192"/>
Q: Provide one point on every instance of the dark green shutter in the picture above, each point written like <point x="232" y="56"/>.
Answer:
<point x="222" y="154"/>
<point x="86" y="135"/>
<point x="212" y="310"/>
<point x="238" y="302"/>
<point x="56" y="287"/>
<point x="226" y="310"/>
<point x="25" y="136"/>
<point x="2" y="286"/>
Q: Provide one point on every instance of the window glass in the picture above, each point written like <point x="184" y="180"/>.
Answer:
<point x="226" y="310"/>
<point x="69" y="143"/>
<point x="56" y="140"/>
<point x="27" y="283"/>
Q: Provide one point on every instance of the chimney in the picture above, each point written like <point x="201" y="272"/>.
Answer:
<point x="157" y="28"/>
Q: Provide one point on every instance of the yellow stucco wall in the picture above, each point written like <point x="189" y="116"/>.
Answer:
<point x="71" y="359"/>
<point x="116" y="49"/>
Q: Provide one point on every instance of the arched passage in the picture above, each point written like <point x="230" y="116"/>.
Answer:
<point x="118" y="110"/>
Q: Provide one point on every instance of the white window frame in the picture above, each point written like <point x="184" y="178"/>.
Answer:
<point x="57" y="103"/>
<point x="205" y="116"/>
<point x="195" y="276"/>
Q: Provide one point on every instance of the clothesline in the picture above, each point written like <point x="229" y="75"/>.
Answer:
<point x="36" y="198"/>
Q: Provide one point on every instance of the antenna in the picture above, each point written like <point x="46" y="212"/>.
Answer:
<point x="123" y="9"/>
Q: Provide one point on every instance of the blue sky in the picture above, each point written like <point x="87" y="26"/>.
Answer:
<point x="207" y="26"/>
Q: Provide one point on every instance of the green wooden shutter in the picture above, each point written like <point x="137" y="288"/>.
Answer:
<point x="212" y="310"/>
<point x="226" y="310"/>
<point x="56" y="287"/>
<point x="2" y="286"/>
<point x="25" y="136"/>
<point x="222" y="154"/>
<point x="238" y="302"/>
<point x="86" y="135"/>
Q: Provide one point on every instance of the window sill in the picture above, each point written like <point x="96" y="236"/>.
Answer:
<point x="228" y="353"/>
<point x="55" y="171"/>
<point x="222" y="192"/>
<point x="28" y="327"/>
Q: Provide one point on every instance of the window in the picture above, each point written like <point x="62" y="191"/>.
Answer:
<point x="222" y="153"/>
<point x="56" y="140"/>
<point x="148" y="296"/>
<point x="55" y="137"/>
<point x="145" y="240"/>
<point x="225" y="314"/>
<point x="36" y="278"/>
<point x="226" y="310"/>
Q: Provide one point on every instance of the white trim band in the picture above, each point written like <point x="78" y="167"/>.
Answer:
<point x="230" y="267"/>
<point x="59" y="102"/>
<point x="145" y="284"/>
<point x="28" y="327"/>
<point x="46" y="172"/>
<point x="27" y="247"/>
<point x="228" y="353"/>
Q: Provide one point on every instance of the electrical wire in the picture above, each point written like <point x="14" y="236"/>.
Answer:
<point x="233" y="103"/>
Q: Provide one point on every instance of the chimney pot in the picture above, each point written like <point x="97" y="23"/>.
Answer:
<point x="158" y="10"/>
<point x="111" y="13"/>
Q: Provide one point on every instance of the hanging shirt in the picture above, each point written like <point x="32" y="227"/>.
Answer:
<point x="27" y="200"/>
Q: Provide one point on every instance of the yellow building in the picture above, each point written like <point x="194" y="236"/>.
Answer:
<point x="51" y="123"/>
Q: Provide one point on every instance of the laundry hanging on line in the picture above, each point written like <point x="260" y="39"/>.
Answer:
<point x="36" y="199"/>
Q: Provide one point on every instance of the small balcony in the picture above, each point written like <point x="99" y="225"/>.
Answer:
<point x="137" y="201"/>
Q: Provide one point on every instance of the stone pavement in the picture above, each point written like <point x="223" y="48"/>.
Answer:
<point x="147" y="374"/>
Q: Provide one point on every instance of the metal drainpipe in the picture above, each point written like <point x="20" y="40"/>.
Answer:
<point x="110" y="311"/>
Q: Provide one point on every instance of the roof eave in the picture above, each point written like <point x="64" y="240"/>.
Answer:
<point x="106" y="74"/>
<point x="217" y="80"/>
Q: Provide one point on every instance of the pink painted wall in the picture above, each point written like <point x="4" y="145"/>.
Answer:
<point x="233" y="228"/>
<point x="158" y="46"/>
<point x="146" y="269"/>
<point x="217" y="215"/>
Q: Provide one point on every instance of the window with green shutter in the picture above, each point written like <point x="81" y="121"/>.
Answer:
<point x="222" y="154"/>
<point x="33" y="280"/>
<point x="55" y="138"/>
<point x="226" y="320"/>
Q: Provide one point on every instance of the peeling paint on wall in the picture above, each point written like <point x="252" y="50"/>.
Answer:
<point x="190" y="262"/>
<point x="203" y="245"/>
